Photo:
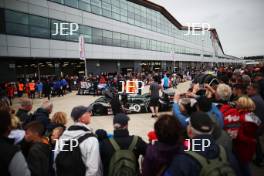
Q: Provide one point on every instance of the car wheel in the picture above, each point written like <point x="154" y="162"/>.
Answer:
<point x="137" y="107"/>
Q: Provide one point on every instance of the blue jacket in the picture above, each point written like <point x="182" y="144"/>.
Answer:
<point x="184" y="120"/>
<point x="185" y="165"/>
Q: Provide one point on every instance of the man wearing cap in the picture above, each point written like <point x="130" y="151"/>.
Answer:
<point x="123" y="139"/>
<point x="89" y="147"/>
<point x="200" y="128"/>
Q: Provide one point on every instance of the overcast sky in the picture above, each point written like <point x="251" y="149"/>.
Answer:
<point x="239" y="23"/>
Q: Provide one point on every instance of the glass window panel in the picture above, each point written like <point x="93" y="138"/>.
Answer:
<point x="106" y="6"/>
<point x="130" y="7"/>
<point x="39" y="21"/>
<point x="137" y="42"/>
<point x="96" y="3"/>
<point x="116" y="16"/>
<point x="73" y="37"/>
<point x="59" y="1"/>
<point x="116" y="9"/>
<point x="84" y="6"/>
<point x="124" y="19"/>
<point x="96" y="10"/>
<point x="143" y="43"/>
<point x="107" y="34"/>
<point x="115" y="2"/>
<point x="124" y="40"/>
<point x="123" y="12"/>
<point x="107" y="13"/>
<point x="108" y="1"/>
<point x="130" y="15"/>
<point x="19" y="29"/>
<point x="97" y="32"/>
<point x="123" y="6"/>
<point x="16" y="17"/>
<point x="107" y="41"/>
<point x="131" y="42"/>
<point x="71" y="3"/>
<point x="131" y="21"/>
<point x="116" y="39"/>
<point x="39" y="32"/>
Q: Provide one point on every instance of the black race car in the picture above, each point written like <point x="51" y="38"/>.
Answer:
<point x="130" y="104"/>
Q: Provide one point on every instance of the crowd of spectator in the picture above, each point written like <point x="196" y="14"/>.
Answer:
<point x="228" y="112"/>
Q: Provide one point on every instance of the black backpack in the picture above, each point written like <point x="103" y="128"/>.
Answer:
<point x="70" y="163"/>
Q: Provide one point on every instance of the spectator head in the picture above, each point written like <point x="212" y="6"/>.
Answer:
<point x="156" y="78"/>
<point x="203" y="104"/>
<point x="26" y="104"/>
<point x="101" y="134"/>
<point x="238" y="90"/>
<point x="4" y="105"/>
<point x="34" y="131"/>
<point x="168" y="129"/>
<point x="5" y="123"/>
<point x="59" y="118"/>
<point x="56" y="133"/>
<point x="47" y="105"/>
<point x="120" y="121"/>
<point x="246" y="79"/>
<point x="200" y="123"/>
<point x="15" y="122"/>
<point x="245" y="103"/>
<point x="223" y="92"/>
<point x="82" y="114"/>
<point x="252" y="89"/>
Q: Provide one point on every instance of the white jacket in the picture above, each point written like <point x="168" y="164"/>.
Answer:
<point x="89" y="149"/>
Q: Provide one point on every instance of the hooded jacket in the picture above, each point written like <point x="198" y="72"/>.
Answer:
<point x="89" y="149"/>
<point x="158" y="157"/>
<point x="42" y="115"/>
<point x="185" y="165"/>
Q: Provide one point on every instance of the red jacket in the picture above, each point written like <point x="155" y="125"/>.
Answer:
<point x="241" y="126"/>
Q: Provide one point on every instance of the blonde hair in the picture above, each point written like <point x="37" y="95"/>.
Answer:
<point x="224" y="92"/>
<point x="59" y="118"/>
<point x="245" y="103"/>
<point x="15" y="122"/>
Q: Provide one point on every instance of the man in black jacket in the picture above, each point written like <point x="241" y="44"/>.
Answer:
<point x="42" y="113"/>
<point x="123" y="139"/>
<point x="39" y="153"/>
<point x="12" y="162"/>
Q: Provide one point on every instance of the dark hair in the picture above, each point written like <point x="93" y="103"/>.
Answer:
<point x="168" y="129"/>
<point x="36" y="127"/>
<point x="204" y="104"/>
<point x="255" y="86"/>
<point x="5" y="122"/>
<point x="156" y="78"/>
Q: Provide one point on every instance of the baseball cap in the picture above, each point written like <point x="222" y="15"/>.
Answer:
<point x="78" y="111"/>
<point x="121" y="119"/>
<point x="201" y="122"/>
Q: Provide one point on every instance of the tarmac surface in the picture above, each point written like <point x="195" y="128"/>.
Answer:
<point x="139" y="124"/>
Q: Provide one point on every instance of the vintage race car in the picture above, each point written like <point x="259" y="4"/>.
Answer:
<point x="132" y="104"/>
